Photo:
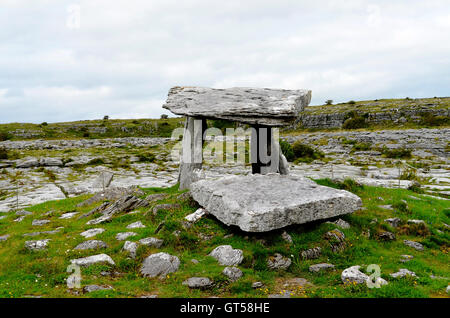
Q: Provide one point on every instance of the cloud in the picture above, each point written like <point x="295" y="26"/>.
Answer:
<point x="125" y="55"/>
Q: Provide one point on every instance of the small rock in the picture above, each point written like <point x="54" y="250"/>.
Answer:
<point x="152" y="242"/>
<point x="386" y="207"/>
<point x="320" y="267"/>
<point x="19" y="219"/>
<point x="353" y="274"/>
<point x="278" y="262"/>
<point x="416" y="222"/>
<point x="285" y="236"/>
<point x="198" y="282"/>
<point x="414" y="245"/>
<point x="402" y="272"/>
<point x="4" y="237"/>
<point x="233" y="273"/>
<point x="131" y="248"/>
<point x="40" y="222"/>
<point x="194" y="261"/>
<point x="159" y="264"/>
<point x="136" y="225"/>
<point x="341" y="223"/>
<point x="94" y="259"/>
<point x="23" y="212"/>
<point x="92" y="232"/>
<point x="311" y="253"/>
<point x="68" y="215"/>
<point x="37" y="245"/>
<point x="257" y="285"/>
<point x="123" y="236"/>
<point x="197" y="215"/>
<point x="93" y="288"/>
<point x="285" y="294"/>
<point x="387" y="236"/>
<point x="448" y="289"/>
<point x="227" y="255"/>
<point x="394" y="222"/>
<point x="91" y="245"/>
<point x="336" y="239"/>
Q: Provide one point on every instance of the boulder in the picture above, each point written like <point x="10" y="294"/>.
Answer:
<point x="198" y="282"/>
<point x="94" y="259"/>
<point x="233" y="273"/>
<point x="260" y="203"/>
<point x="159" y="264"/>
<point x="227" y="255"/>
<point x="263" y="106"/>
<point x="91" y="245"/>
<point x="353" y="275"/>
<point x="394" y="222"/>
<point x="278" y="262"/>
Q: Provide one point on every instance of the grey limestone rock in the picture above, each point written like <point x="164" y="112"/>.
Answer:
<point x="91" y="245"/>
<point x="227" y="255"/>
<point x="159" y="264"/>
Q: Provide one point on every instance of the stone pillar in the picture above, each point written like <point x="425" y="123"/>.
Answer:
<point x="265" y="154"/>
<point x="192" y="151"/>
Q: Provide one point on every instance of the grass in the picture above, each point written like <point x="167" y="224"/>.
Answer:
<point x="43" y="273"/>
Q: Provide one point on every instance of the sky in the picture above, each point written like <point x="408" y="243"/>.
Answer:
<point x="84" y="59"/>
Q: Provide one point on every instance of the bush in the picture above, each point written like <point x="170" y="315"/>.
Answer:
<point x="362" y="146"/>
<point x="352" y="102"/>
<point x="4" y="136"/>
<point x="96" y="161"/>
<point x="396" y="153"/>
<point x="329" y="102"/>
<point x="287" y="150"/>
<point x="3" y="153"/>
<point x="355" y="123"/>
<point x="164" y="116"/>
<point x="146" y="157"/>
<point x="305" y="153"/>
<point x="429" y="119"/>
<point x="44" y="123"/>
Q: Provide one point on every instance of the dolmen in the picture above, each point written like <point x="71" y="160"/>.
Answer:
<point x="269" y="198"/>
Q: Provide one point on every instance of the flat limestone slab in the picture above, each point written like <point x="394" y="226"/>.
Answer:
<point x="263" y="106"/>
<point x="260" y="203"/>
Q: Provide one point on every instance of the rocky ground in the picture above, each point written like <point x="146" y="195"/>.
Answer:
<point x="43" y="170"/>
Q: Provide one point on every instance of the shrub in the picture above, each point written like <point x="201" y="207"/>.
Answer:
<point x="329" y="102"/>
<point x="164" y="116"/>
<point x="396" y="153"/>
<point x="3" y="153"/>
<point x="96" y="161"/>
<point x="352" y="102"/>
<point x="4" y="136"/>
<point x="287" y="150"/>
<point x="44" y="123"/>
<point x="429" y="119"/>
<point x="305" y="153"/>
<point x="106" y="117"/>
<point x="355" y="123"/>
<point x="146" y="157"/>
<point x="362" y="146"/>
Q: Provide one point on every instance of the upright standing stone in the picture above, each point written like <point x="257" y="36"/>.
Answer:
<point x="192" y="152"/>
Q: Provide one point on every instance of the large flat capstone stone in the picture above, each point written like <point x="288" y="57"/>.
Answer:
<point x="260" y="203"/>
<point x="262" y="106"/>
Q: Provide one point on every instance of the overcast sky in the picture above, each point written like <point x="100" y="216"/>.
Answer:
<point x="72" y="60"/>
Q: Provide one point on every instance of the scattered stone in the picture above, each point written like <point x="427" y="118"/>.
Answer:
<point x="233" y="273"/>
<point x="260" y="203"/>
<point x="37" y="245"/>
<point x="123" y="236"/>
<point x="320" y="267"/>
<point x="353" y="274"/>
<point x="194" y="261"/>
<point x="91" y="245"/>
<point x="285" y="236"/>
<point x="68" y="215"/>
<point x="2" y="217"/>
<point x="4" y="237"/>
<point x="406" y="258"/>
<point x="94" y="259"/>
<point x="414" y="245"/>
<point x="278" y="262"/>
<point x="152" y="242"/>
<point x="257" y="285"/>
<point x="336" y="239"/>
<point x="159" y="264"/>
<point x="40" y="222"/>
<point x="198" y="283"/>
<point x="340" y="223"/>
<point x="416" y="222"/>
<point x="312" y="253"/>
<point x="197" y="215"/>
<point x="55" y="231"/>
<point x="386" y="207"/>
<point x="285" y="294"/>
<point x="394" y="222"/>
<point x="126" y="203"/>
<point x="19" y="219"/>
<point x="92" y="232"/>
<point x="23" y="212"/>
<point x="93" y="288"/>
<point x="136" y="225"/>
<point x="167" y="206"/>
<point x="402" y="272"/>
<point x="131" y="248"/>
<point x="387" y="236"/>
<point x="227" y="255"/>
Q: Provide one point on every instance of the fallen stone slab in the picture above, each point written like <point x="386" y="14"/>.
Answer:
<point x="91" y="245"/>
<point x="37" y="245"/>
<point x="198" y="282"/>
<point x="264" y="106"/>
<point x="159" y="264"/>
<point x="92" y="232"/>
<point x="227" y="255"/>
<point x="94" y="259"/>
<point x="386" y="236"/>
<point x="260" y="203"/>
<point x="126" y="203"/>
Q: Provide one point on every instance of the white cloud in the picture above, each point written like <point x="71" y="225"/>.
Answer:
<point x="127" y="54"/>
